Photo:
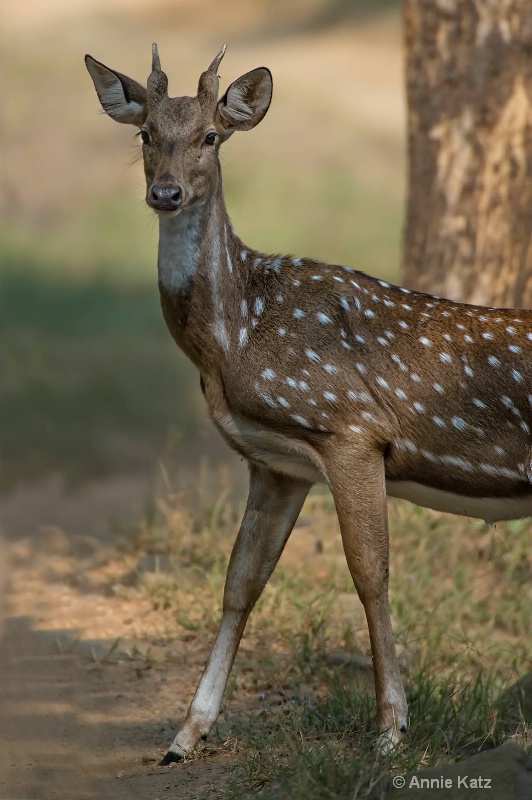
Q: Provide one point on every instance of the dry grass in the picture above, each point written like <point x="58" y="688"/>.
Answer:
<point x="300" y="711"/>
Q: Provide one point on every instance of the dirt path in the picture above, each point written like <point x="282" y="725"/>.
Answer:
<point x="72" y="729"/>
<point x="94" y="680"/>
<point x="92" y="684"/>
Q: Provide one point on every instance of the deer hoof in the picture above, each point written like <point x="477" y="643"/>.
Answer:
<point x="388" y="741"/>
<point x="174" y="754"/>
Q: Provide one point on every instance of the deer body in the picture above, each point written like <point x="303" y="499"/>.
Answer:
<point x="316" y="373"/>
<point x="303" y="351"/>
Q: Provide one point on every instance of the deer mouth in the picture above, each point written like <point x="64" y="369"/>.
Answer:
<point x="166" y="213"/>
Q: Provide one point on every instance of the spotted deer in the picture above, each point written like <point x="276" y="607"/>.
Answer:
<point x="317" y="373"/>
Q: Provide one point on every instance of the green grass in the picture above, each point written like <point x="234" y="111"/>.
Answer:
<point x="326" y="748"/>
<point x="306" y="722"/>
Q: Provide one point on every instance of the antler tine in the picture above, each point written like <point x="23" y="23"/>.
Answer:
<point x="208" y="83"/>
<point x="216" y="61"/>
<point x="157" y="81"/>
<point x="155" y="60"/>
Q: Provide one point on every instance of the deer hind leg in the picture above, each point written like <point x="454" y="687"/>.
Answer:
<point x="273" y="506"/>
<point x="360" y="499"/>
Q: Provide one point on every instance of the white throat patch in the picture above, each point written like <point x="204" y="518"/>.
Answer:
<point x="178" y="259"/>
<point x="178" y="249"/>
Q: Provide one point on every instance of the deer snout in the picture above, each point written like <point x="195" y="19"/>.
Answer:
<point x="165" y="195"/>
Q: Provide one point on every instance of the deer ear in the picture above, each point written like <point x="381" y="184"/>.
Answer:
<point x="246" y="101"/>
<point x="121" y="97"/>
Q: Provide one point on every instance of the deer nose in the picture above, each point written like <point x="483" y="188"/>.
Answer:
<point x="165" y="196"/>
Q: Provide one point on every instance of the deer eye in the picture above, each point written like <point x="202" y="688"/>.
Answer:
<point x="211" y="137"/>
<point x="145" y="136"/>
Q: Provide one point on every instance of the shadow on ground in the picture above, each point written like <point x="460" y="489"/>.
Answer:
<point x="69" y="731"/>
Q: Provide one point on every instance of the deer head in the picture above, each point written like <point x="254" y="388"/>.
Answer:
<point x="181" y="136"/>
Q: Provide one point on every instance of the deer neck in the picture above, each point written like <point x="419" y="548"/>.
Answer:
<point x="197" y="278"/>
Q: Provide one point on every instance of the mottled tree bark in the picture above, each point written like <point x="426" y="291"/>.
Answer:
<point x="469" y="82"/>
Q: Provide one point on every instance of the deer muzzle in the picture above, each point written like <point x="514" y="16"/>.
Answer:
<point x="165" y="196"/>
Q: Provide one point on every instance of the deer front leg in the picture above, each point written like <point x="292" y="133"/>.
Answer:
<point x="273" y="506"/>
<point x="360" y="497"/>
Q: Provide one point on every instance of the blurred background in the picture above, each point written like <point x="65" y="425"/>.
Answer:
<point x="96" y="399"/>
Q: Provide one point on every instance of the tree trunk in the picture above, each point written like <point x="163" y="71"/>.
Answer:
<point x="469" y="83"/>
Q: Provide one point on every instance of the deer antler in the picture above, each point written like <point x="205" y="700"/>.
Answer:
<point x="209" y="83"/>
<point x="155" y="60"/>
<point x="215" y="63"/>
<point x="158" y="81"/>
